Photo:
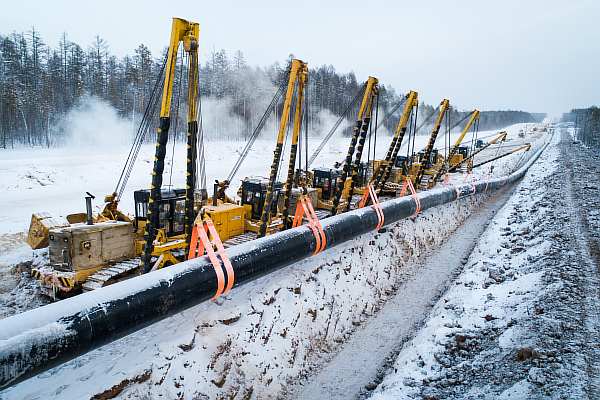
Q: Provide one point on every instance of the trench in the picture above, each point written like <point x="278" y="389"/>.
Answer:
<point x="362" y="361"/>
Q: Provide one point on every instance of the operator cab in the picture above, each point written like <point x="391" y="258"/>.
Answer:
<point x="171" y="208"/>
<point x="464" y="151"/>
<point x="326" y="180"/>
<point x="254" y="192"/>
<point x="363" y="174"/>
<point x="432" y="158"/>
<point x="401" y="163"/>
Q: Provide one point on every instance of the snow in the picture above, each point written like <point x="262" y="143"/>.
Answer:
<point x="259" y="338"/>
<point x="265" y="333"/>
<point x="498" y="282"/>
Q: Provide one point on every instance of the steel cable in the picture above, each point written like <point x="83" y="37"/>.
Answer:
<point x="149" y="111"/>
<point x="328" y="136"/>
<point x="259" y="127"/>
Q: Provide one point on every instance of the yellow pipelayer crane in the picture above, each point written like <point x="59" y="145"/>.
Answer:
<point x="500" y="137"/>
<point x="186" y="33"/>
<point x="425" y="162"/>
<point x="347" y="181"/>
<point x="255" y="216"/>
<point x="384" y="167"/>
<point x="93" y="252"/>
<point x="455" y="154"/>
<point x="298" y="77"/>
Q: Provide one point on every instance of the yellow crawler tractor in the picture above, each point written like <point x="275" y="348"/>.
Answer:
<point x="427" y="161"/>
<point x="86" y="251"/>
<point x="458" y="153"/>
<point x="264" y="203"/>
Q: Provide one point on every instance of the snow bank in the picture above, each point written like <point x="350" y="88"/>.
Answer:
<point x="266" y="333"/>
<point x="497" y="287"/>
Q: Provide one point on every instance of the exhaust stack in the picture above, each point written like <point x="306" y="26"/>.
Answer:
<point x="88" y="208"/>
<point x="214" y="196"/>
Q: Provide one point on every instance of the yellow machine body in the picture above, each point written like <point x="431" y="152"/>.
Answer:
<point x="228" y="218"/>
<point x="39" y="229"/>
<point x="77" y="251"/>
<point x="456" y="159"/>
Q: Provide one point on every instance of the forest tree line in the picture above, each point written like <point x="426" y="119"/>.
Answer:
<point x="587" y="124"/>
<point x="40" y="84"/>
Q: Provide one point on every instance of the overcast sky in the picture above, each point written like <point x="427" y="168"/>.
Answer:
<point x="540" y="56"/>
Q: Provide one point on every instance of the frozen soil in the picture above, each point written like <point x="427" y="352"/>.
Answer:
<point x="522" y="320"/>
<point x="18" y="291"/>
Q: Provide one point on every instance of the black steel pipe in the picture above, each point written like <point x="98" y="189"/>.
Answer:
<point x="42" y="338"/>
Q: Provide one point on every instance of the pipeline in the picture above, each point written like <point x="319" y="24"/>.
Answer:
<point x="42" y="338"/>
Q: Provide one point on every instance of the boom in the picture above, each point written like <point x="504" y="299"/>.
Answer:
<point x="499" y="138"/>
<point x="185" y="32"/>
<point x="525" y="147"/>
<point x="297" y="78"/>
<point x="345" y="185"/>
<point x="444" y="105"/>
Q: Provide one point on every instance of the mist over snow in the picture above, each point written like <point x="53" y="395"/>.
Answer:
<point x="325" y="121"/>
<point x="94" y="123"/>
<point x="218" y="120"/>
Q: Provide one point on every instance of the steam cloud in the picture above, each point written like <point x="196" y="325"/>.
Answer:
<point x="94" y="123"/>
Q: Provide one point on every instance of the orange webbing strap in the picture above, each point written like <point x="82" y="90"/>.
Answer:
<point x="206" y="245"/>
<point x="377" y="207"/>
<point x="404" y="187"/>
<point x="415" y="197"/>
<point x="197" y="248"/>
<point x="304" y="207"/>
<point x="317" y="225"/>
<point x="364" y="198"/>
<point x="299" y="214"/>
<point x="221" y="251"/>
<point x="194" y="245"/>
<point x="446" y="178"/>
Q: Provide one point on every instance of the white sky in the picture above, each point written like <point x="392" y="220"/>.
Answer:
<point x="539" y="56"/>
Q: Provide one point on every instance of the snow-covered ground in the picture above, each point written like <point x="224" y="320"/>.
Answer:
<point x="266" y="334"/>
<point x="55" y="180"/>
<point x="522" y="320"/>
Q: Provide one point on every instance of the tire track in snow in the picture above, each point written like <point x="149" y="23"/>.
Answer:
<point x="591" y="288"/>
